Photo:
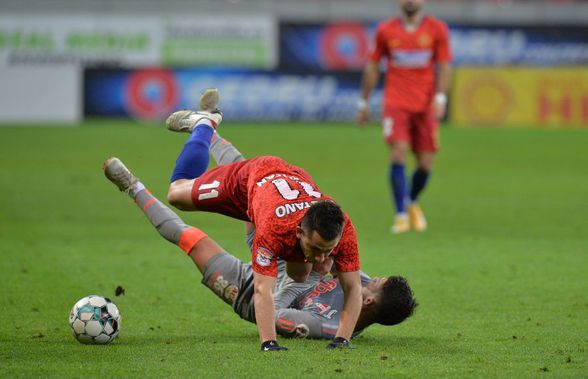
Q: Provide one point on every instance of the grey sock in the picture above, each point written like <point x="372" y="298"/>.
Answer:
<point x="138" y="187"/>
<point x="167" y="223"/>
<point x="223" y="151"/>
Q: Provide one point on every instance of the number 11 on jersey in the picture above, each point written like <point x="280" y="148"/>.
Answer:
<point x="209" y="186"/>
<point x="289" y="193"/>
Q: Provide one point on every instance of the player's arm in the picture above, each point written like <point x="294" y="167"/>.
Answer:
<point x="348" y="266"/>
<point x="370" y="77"/>
<point x="264" y="311"/>
<point x="442" y="88"/>
<point x="369" y="81"/>
<point x="442" y="56"/>
<point x="289" y="290"/>
<point x="294" y="323"/>
<point x="443" y="77"/>
<point x="351" y="284"/>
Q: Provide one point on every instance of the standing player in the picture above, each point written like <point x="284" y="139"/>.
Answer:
<point x="415" y="97"/>
<point x="294" y="221"/>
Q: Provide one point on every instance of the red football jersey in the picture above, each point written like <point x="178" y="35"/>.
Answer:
<point x="278" y="196"/>
<point x="410" y="76"/>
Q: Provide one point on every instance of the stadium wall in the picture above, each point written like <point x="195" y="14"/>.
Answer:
<point x="261" y="95"/>
<point x="555" y="97"/>
<point x="147" y="65"/>
<point x="319" y="70"/>
<point x="41" y="95"/>
<point x="42" y="56"/>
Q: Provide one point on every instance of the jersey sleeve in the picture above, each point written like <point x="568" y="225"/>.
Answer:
<point x="442" y="46"/>
<point x="379" y="48"/>
<point x="347" y="258"/>
<point x="264" y="255"/>
<point x="295" y="323"/>
<point x="249" y="240"/>
<point x="288" y="291"/>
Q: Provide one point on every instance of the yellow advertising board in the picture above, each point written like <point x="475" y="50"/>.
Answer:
<point x="554" y="97"/>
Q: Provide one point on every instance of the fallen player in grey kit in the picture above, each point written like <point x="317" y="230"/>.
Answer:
<point x="310" y="309"/>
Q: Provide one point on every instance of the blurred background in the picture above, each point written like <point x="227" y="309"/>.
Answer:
<point x="518" y="63"/>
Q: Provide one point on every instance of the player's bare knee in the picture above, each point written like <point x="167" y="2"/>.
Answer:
<point x="174" y="198"/>
<point x="425" y="161"/>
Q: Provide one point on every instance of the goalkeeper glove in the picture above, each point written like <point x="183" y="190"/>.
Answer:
<point x="272" y="345"/>
<point x="339" y="342"/>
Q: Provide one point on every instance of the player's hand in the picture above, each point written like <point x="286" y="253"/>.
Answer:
<point x="324" y="267"/>
<point x="272" y="345"/>
<point x="363" y="113"/>
<point x="339" y="343"/>
<point x="439" y="105"/>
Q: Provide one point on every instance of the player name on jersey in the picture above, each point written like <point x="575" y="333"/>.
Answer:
<point x="286" y="209"/>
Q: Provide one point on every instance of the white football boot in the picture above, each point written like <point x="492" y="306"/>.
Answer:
<point x="120" y="175"/>
<point x="185" y="121"/>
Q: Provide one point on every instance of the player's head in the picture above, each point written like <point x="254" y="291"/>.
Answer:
<point x="390" y="300"/>
<point x="411" y="7"/>
<point x="320" y="230"/>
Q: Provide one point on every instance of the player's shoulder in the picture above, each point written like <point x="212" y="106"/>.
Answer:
<point x="278" y="232"/>
<point x="265" y="165"/>
<point x="348" y="222"/>
<point x="436" y="23"/>
<point x="266" y="160"/>
<point x="389" y="24"/>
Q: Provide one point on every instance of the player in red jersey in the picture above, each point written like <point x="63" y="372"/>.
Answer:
<point x="303" y="310"/>
<point x="293" y="220"/>
<point x="418" y="56"/>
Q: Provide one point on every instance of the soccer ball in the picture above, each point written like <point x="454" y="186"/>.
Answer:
<point x="95" y="320"/>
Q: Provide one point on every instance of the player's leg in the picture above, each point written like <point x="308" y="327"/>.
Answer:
<point x="396" y="124"/>
<point x="190" y="239"/>
<point x="195" y="155"/>
<point x="228" y="277"/>
<point x="223" y="151"/>
<point x="425" y="147"/>
<point x="420" y="177"/>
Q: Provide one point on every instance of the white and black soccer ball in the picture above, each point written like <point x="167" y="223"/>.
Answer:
<point x="95" y="320"/>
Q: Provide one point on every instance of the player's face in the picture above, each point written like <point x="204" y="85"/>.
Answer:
<point x="314" y="247"/>
<point x="374" y="286"/>
<point x="411" y="7"/>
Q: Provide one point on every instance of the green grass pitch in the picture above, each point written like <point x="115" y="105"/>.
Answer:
<point x="501" y="276"/>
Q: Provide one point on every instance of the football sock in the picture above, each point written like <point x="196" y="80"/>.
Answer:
<point x="419" y="181"/>
<point x="134" y="190"/>
<point x="223" y="151"/>
<point x="167" y="223"/>
<point x="193" y="160"/>
<point x="398" y="184"/>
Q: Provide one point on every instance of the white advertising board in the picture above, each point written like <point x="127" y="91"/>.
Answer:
<point x="138" y="41"/>
<point x="40" y="95"/>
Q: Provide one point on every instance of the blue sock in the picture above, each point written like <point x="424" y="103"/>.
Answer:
<point x="193" y="160"/>
<point x="419" y="181"/>
<point x="398" y="184"/>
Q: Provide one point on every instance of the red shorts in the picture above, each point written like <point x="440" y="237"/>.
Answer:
<point x="223" y="190"/>
<point x="419" y="129"/>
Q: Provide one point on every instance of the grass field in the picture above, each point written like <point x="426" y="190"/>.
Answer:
<point x="501" y="276"/>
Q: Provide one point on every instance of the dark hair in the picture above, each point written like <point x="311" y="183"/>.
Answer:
<point x="396" y="302"/>
<point x="326" y="218"/>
